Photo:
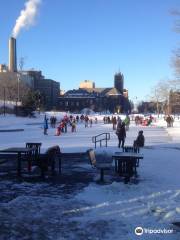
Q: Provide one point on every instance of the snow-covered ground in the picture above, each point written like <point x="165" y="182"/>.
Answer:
<point x="47" y="210"/>
<point x="9" y="104"/>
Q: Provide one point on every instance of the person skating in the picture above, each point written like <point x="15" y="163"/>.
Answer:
<point x="58" y="130"/>
<point x="127" y="122"/>
<point x="168" y="120"/>
<point x="73" y="126"/>
<point x="114" y="122"/>
<point x="121" y="133"/>
<point x="86" y="121"/>
<point x="91" y="122"/>
<point x="45" y="125"/>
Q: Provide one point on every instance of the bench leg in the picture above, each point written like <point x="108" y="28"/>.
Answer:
<point x="60" y="165"/>
<point x="53" y="167"/>
<point x="135" y="171"/>
<point x="116" y="165"/>
<point x="29" y="164"/>
<point x="42" y="167"/>
<point x="42" y="173"/>
<point x="127" y="179"/>
<point x="19" y="165"/>
<point x="102" y="175"/>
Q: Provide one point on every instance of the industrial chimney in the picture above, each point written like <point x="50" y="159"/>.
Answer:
<point x="12" y="55"/>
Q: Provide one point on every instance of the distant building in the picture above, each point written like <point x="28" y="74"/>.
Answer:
<point x="87" y="84"/>
<point x="3" y="68"/>
<point x="49" y="88"/>
<point x="125" y="93"/>
<point x="97" y="99"/>
<point x="62" y="92"/>
<point x="151" y="107"/>
<point x="174" y="102"/>
<point x="8" y="76"/>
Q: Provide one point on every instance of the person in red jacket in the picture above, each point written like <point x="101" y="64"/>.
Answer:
<point x="58" y="130"/>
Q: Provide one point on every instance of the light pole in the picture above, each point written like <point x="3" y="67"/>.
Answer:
<point x="4" y="101"/>
<point x="18" y="92"/>
<point x="135" y="105"/>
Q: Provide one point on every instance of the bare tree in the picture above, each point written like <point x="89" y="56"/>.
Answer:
<point x="160" y="94"/>
<point x="21" y="63"/>
<point x="12" y="85"/>
<point x="155" y="97"/>
<point x="176" y="13"/>
<point x="176" y="52"/>
<point x="176" y="62"/>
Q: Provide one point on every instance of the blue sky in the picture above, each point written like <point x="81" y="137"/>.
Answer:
<point x="74" y="40"/>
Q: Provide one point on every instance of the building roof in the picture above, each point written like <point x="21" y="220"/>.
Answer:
<point x="113" y="91"/>
<point x="104" y="91"/>
<point x="77" y="92"/>
<point x="92" y="92"/>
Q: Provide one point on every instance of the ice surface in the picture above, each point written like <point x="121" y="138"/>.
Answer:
<point x="43" y="211"/>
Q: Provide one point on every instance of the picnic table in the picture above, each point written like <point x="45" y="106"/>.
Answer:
<point x="20" y="151"/>
<point x="125" y="163"/>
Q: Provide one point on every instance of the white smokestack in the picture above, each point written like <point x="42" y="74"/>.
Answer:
<point x="27" y="16"/>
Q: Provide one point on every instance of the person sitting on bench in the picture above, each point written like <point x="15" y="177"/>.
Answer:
<point x="139" y="142"/>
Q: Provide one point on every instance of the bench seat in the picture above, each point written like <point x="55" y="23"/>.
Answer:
<point x="98" y="165"/>
<point x="103" y="165"/>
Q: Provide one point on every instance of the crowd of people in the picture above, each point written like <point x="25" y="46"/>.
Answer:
<point x="114" y="120"/>
<point x="71" y="122"/>
<point x="169" y="120"/>
<point x="67" y="122"/>
<point x="140" y="120"/>
<point x="121" y="127"/>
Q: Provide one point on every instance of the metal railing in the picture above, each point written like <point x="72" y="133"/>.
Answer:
<point x="105" y="137"/>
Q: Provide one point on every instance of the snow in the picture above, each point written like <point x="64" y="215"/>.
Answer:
<point x="8" y="104"/>
<point x="47" y="210"/>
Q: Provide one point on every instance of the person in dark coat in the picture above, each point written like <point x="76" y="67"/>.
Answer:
<point x="121" y="133"/>
<point x="140" y="140"/>
<point x="45" y="125"/>
<point x="114" y="122"/>
<point x="168" y="120"/>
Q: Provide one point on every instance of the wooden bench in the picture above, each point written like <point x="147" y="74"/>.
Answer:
<point x="101" y="166"/>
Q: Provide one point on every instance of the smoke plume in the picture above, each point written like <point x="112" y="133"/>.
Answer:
<point x="27" y="16"/>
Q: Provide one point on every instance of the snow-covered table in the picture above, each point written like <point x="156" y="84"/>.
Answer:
<point x="19" y="151"/>
<point x="125" y="163"/>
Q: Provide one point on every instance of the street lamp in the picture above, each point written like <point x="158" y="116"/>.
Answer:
<point x="135" y="105"/>
<point x="4" y="101"/>
<point x="18" y="92"/>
